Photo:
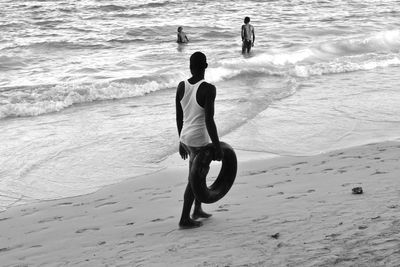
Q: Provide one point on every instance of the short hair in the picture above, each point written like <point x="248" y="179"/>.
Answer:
<point x="198" y="61"/>
<point x="246" y="20"/>
<point x="179" y="28"/>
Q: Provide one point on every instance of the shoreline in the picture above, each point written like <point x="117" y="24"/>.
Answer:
<point x="174" y="161"/>
<point x="282" y="211"/>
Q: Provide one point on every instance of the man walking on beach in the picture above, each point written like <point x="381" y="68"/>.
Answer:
<point x="248" y="36"/>
<point x="195" y="122"/>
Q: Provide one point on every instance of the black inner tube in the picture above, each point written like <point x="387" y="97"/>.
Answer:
<point x="225" y="179"/>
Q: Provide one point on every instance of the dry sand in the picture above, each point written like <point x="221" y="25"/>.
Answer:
<point x="291" y="211"/>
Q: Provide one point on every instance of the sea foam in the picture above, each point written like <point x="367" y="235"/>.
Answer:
<point x="37" y="100"/>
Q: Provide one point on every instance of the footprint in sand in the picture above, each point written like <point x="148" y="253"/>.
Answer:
<point x="273" y="185"/>
<point x="279" y="168"/>
<point x="158" y="193"/>
<point x="221" y="210"/>
<point x="144" y="189"/>
<point x="128" y="242"/>
<point x="102" y="199"/>
<point x="334" y="235"/>
<point x="51" y="219"/>
<point x="3" y="219"/>
<point x="29" y="212"/>
<point x="36" y="230"/>
<point x="6" y="249"/>
<point x="228" y="205"/>
<point x="334" y="155"/>
<point x="122" y="210"/>
<point x="262" y="218"/>
<point x="160" y="219"/>
<point x="377" y="172"/>
<point x="299" y="163"/>
<point x="79" y="204"/>
<point x="80" y="231"/>
<point x="296" y="197"/>
<point x="63" y="204"/>
<point x="160" y="197"/>
<point x="256" y="172"/>
<point x="275" y="194"/>
<point x="106" y="204"/>
<point x="265" y="186"/>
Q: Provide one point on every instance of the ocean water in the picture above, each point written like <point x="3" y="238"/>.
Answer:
<point x="87" y="87"/>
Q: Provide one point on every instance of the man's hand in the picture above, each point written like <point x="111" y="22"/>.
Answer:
<point x="182" y="151"/>
<point x="219" y="154"/>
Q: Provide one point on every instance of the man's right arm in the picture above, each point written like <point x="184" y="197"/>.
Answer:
<point x="209" y="99"/>
<point x="179" y="115"/>
<point x="178" y="107"/>
<point x="254" y="35"/>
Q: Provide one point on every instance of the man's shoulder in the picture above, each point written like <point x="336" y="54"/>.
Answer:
<point x="180" y="90"/>
<point x="207" y="85"/>
<point x="207" y="89"/>
<point x="181" y="85"/>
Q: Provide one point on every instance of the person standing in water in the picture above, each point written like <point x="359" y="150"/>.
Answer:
<point x="194" y="103"/>
<point x="248" y="36"/>
<point x="181" y="36"/>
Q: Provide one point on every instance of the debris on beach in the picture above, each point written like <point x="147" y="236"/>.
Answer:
<point x="276" y="236"/>
<point x="357" y="190"/>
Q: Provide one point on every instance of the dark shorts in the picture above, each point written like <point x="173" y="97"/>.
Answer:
<point x="192" y="151"/>
<point x="246" y="45"/>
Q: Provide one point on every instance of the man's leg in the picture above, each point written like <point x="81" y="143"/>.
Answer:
<point x="243" y="46"/>
<point x="248" y="46"/>
<point x="198" y="211"/>
<point x="188" y="198"/>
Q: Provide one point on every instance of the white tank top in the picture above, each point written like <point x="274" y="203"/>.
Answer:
<point x="194" y="131"/>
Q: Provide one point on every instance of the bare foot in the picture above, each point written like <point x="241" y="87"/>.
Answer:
<point x="188" y="224"/>
<point x="200" y="214"/>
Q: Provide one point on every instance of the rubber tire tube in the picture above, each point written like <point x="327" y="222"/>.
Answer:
<point x="201" y="167"/>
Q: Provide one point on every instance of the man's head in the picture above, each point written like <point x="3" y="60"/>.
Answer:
<point x="246" y="20"/>
<point x="179" y="29"/>
<point x="198" y="62"/>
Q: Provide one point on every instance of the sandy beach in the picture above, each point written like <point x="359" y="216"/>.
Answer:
<point x="287" y="211"/>
<point x="89" y="169"/>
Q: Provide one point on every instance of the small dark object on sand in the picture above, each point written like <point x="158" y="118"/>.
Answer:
<point x="357" y="190"/>
<point x="276" y="236"/>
